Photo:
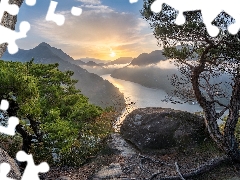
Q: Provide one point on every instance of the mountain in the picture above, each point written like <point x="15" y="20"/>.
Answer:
<point x="59" y="52"/>
<point x="99" y="62"/>
<point x="78" y="62"/>
<point x="87" y="59"/>
<point x="89" y="63"/>
<point x="95" y="66"/>
<point x="158" y="76"/>
<point x="92" y="63"/>
<point x="146" y="70"/>
<point x="145" y="59"/>
<point x="99" y="91"/>
<point x="148" y="76"/>
<point x="121" y="60"/>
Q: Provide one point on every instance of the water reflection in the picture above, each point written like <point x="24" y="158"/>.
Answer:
<point x="147" y="97"/>
<point x="138" y="96"/>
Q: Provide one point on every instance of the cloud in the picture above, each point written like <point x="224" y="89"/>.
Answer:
<point x="90" y="1"/>
<point x="167" y="64"/>
<point x="116" y="66"/>
<point x="99" y="30"/>
<point x="164" y="64"/>
<point x="90" y="8"/>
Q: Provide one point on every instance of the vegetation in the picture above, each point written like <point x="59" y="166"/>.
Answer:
<point x="201" y="59"/>
<point x="237" y="131"/>
<point x="57" y="123"/>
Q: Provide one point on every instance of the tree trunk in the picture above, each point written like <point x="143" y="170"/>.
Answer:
<point x="26" y="137"/>
<point x="208" y="108"/>
<point x="9" y="21"/>
<point x="229" y="131"/>
<point x="227" y="142"/>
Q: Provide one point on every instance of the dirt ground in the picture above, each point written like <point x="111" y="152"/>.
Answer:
<point x="141" y="166"/>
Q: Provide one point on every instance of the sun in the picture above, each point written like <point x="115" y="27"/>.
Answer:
<point x="112" y="54"/>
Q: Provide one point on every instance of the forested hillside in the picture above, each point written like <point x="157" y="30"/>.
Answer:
<point x="57" y="122"/>
<point x="99" y="91"/>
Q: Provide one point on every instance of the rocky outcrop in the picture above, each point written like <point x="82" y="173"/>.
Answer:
<point x="163" y="128"/>
<point x="63" y="178"/>
<point x="5" y="158"/>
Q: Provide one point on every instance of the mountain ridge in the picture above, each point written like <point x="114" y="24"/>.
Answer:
<point x="148" y="58"/>
<point x="99" y="91"/>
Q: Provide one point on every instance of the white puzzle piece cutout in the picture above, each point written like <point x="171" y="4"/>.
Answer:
<point x="12" y="121"/>
<point x="30" y="2"/>
<point x="12" y="9"/>
<point x="31" y="171"/>
<point x="4" y="105"/>
<point x="10" y="36"/>
<point x="209" y="9"/>
<point x="4" y="170"/>
<point x="59" y="19"/>
<point x="133" y="1"/>
<point x="76" y="11"/>
<point x="51" y="16"/>
<point x="10" y="130"/>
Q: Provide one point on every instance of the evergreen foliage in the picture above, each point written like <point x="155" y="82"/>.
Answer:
<point x="57" y="123"/>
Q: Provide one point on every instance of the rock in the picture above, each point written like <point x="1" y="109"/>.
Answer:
<point x="5" y="158"/>
<point x="63" y="178"/>
<point x="109" y="172"/>
<point x="163" y="128"/>
<point x="234" y="178"/>
<point x="119" y="144"/>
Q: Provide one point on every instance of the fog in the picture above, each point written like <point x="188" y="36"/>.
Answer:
<point x="101" y="70"/>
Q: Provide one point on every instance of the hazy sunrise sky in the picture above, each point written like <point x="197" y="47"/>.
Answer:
<point x="105" y="28"/>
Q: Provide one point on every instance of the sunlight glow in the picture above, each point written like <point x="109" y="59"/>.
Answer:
<point x="112" y="54"/>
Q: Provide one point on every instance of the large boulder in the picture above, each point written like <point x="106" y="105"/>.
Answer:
<point x="163" y="128"/>
<point x="5" y="158"/>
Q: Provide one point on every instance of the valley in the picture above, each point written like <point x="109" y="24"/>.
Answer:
<point x="99" y="91"/>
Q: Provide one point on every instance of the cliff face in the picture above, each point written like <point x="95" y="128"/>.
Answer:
<point x="99" y="91"/>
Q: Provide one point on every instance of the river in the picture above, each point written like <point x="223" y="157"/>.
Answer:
<point x="142" y="97"/>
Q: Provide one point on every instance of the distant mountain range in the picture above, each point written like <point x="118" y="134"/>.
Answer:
<point x="148" y="76"/>
<point x="145" y="59"/>
<point x="99" y="91"/>
<point x="101" y="67"/>
<point x="154" y="71"/>
<point x="144" y="70"/>
<point x="87" y="59"/>
<point x="86" y="71"/>
<point x="95" y="67"/>
<point x="121" y="60"/>
<point x="98" y="62"/>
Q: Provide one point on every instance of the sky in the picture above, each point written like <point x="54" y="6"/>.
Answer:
<point x="106" y="29"/>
